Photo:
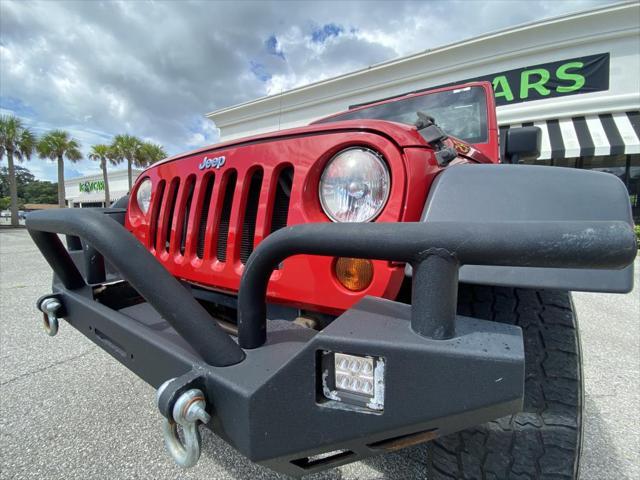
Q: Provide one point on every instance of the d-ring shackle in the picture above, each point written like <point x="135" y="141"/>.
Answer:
<point x="187" y="411"/>
<point x="50" y="307"/>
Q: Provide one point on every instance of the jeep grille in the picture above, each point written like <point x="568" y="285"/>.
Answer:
<point x="215" y="216"/>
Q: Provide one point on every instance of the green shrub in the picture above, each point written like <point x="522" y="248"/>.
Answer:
<point x="637" y="229"/>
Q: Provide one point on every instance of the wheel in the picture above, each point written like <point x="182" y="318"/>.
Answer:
<point x="543" y="441"/>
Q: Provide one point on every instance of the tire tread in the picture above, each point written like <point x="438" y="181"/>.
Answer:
<point x="543" y="441"/>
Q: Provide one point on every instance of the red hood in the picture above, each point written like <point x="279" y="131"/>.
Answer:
<point x="401" y="134"/>
<point x="172" y="226"/>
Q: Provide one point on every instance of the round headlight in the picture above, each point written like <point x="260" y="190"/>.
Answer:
<point x="143" y="195"/>
<point x="354" y="186"/>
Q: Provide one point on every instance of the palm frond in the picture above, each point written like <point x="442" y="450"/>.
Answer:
<point x="149" y="153"/>
<point x="15" y="137"/>
<point x="125" y="147"/>
<point x="58" y="143"/>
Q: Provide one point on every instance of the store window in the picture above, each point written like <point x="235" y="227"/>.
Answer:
<point x="566" y="162"/>
<point x="633" y="184"/>
<point x="626" y="168"/>
<point x="537" y="161"/>
<point x="616" y="165"/>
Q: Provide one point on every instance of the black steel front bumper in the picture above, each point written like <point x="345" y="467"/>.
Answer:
<point x="268" y="393"/>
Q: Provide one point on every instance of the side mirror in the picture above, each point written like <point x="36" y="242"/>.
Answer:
<point x="522" y="144"/>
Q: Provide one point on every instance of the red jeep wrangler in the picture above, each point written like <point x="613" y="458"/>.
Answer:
<point x="373" y="281"/>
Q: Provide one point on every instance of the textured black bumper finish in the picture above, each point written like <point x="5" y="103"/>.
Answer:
<point x="443" y="372"/>
<point x="555" y="244"/>
<point x="122" y="250"/>
<point x="270" y="405"/>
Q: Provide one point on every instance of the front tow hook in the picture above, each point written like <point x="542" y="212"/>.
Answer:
<point x="188" y="409"/>
<point x="50" y="309"/>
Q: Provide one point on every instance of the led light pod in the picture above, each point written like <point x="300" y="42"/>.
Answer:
<point x="356" y="380"/>
<point x="354" y="374"/>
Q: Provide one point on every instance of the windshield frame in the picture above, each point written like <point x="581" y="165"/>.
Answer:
<point x="488" y="147"/>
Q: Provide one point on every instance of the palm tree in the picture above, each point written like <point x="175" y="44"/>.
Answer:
<point x="56" y="145"/>
<point x="149" y="153"/>
<point x="102" y="154"/>
<point x="15" y="141"/>
<point x="126" y="147"/>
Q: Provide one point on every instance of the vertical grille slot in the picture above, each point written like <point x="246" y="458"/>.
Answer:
<point x="225" y="216"/>
<point x="250" y="214"/>
<point x="155" y="213"/>
<point x="280" y="212"/>
<point x="204" y="214"/>
<point x="187" y="210"/>
<point x="173" y="196"/>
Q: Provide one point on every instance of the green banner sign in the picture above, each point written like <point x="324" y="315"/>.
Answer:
<point x="97" y="186"/>
<point x="545" y="80"/>
<point x="548" y="80"/>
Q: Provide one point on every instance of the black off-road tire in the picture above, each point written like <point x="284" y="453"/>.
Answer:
<point x="543" y="441"/>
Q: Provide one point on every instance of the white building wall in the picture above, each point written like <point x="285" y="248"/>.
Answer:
<point x="118" y="187"/>
<point x="615" y="30"/>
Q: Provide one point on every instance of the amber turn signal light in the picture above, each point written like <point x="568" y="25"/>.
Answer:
<point x="354" y="273"/>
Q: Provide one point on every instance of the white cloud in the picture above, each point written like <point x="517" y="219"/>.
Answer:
<point x="150" y="68"/>
<point x="208" y="133"/>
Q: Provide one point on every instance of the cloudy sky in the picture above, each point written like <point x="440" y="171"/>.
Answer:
<point x="154" y="68"/>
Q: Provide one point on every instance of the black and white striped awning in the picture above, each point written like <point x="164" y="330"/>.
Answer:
<point x="591" y="135"/>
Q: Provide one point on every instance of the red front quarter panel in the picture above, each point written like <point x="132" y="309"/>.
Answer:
<point x="304" y="281"/>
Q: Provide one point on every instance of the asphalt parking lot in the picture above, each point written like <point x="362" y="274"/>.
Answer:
<point x="67" y="410"/>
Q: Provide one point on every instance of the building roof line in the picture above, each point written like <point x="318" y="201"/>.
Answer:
<point x="427" y="52"/>
<point x="411" y="77"/>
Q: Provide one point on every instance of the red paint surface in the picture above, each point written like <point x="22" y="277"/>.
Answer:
<point x="304" y="281"/>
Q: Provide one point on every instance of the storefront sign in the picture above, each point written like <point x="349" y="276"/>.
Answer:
<point x="537" y="82"/>
<point x="548" y="80"/>
<point x="97" y="186"/>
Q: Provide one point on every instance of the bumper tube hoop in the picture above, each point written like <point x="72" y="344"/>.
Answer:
<point x="579" y="244"/>
<point x="109" y="239"/>
<point x="442" y="372"/>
